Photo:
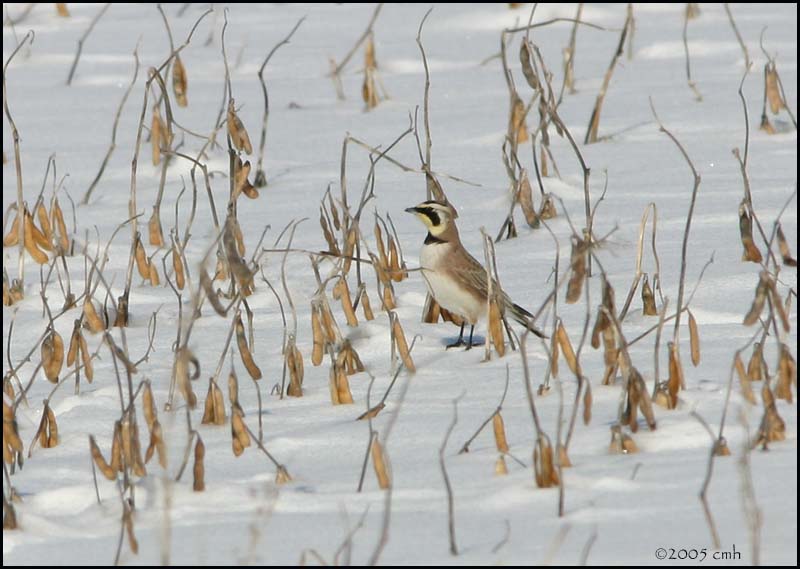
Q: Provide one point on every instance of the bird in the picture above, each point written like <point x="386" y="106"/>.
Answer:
<point x="455" y="279"/>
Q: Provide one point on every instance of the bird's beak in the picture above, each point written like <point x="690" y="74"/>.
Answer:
<point x="412" y="210"/>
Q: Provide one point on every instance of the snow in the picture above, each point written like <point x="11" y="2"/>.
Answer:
<point x="633" y="504"/>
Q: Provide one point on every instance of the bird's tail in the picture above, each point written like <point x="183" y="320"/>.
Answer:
<point x="525" y="318"/>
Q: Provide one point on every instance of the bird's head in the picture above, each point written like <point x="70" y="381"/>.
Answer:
<point x="437" y="216"/>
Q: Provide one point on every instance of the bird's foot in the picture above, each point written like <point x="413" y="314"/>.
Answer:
<point x="457" y="344"/>
<point x="473" y="345"/>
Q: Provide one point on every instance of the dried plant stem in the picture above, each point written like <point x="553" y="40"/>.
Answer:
<point x="498" y="409"/>
<point x="83" y="39"/>
<point x="553" y="21"/>
<point x="707" y="482"/>
<point x="451" y="525"/>
<point x="747" y="61"/>
<point x="113" y="144"/>
<point x="261" y="179"/>
<point x="594" y="120"/>
<point x="17" y="160"/>
<point x="685" y="245"/>
<point x="692" y="85"/>
<point x="336" y="70"/>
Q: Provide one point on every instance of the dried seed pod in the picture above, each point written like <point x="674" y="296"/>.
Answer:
<point x="198" y="471"/>
<point x="108" y="471"/>
<point x="366" y="306"/>
<point x="757" y="307"/>
<point x="395" y="271"/>
<point x="237" y="131"/>
<point x="157" y="445"/>
<point x="12" y="237"/>
<point x="91" y="317"/>
<point x="182" y="360"/>
<point x="328" y="323"/>
<point x="756" y="367"/>
<point x="241" y="438"/>
<point x="566" y="349"/>
<point x="155" y="233"/>
<point x="333" y="247"/>
<point x="179" y="81"/>
<point x="787" y="374"/>
<point x="233" y="392"/>
<point x="74" y="344"/>
<point x="525" y="197"/>
<point x="777" y="305"/>
<point x="294" y="363"/>
<point x="341" y="386"/>
<point x="587" y="404"/>
<point x="349" y="248"/>
<point x="786" y="254"/>
<point x="772" y="90"/>
<point x="369" y="90"/>
<point x="578" y="270"/>
<point x="244" y="350"/>
<point x="342" y="292"/>
<point x="155" y="280"/>
<point x="388" y="298"/>
<point x="744" y="380"/>
<point x="751" y="252"/>
<point x="141" y="259"/>
<point x="44" y="222"/>
<point x="86" y="358"/>
<point x="127" y="522"/>
<point x="47" y="433"/>
<point x="379" y="464"/>
<point x="371" y="413"/>
<point x="675" y="381"/>
<point x="543" y="466"/>
<point x="773" y="427"/>
<point x="116" y="449"/>
<point x="60" y="225"/>
<point x="149" y="405"/>
<point x="52" y="350"/>
<point x="517" y="129"/>
<point x="62" y="10"/>
<point x="157" y="134"/>
<point x="496" y="328"/>
<point x="214" y="408"/>
<point x="242" y="183"/>
<point x="319" y="340"/>
<point x="40" y="239"/>
<point x="334" y="213"/>
<point x="643" y="397"/>
<point x="499" y="432"/>
<point x="177" y="265"/>
<point x="282" y="476"/>
<point x="648" y="299"/>
<point x="9" y="513"/>
<point x="31" y="244"/>
<point x="527" y="67"/>
<point x="694" y="339"/>
<point x="399" y="339"/>
<point x="500" y="467"/>
<point x="382" y="257"/>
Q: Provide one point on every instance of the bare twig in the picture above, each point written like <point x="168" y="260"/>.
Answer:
<point x="261" y="179"/>
<point x="83" y="39"/>
<point x="450" y="501"/>
<point x="113" y="144"/>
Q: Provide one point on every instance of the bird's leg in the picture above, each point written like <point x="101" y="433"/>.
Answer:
<point x="471" y="331"/>
<point x="460" y="341"/>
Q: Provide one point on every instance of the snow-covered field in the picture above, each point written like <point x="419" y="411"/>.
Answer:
<point x="622" y="507"/>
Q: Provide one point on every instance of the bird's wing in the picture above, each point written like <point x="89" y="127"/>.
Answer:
<point x="472" y="274"/>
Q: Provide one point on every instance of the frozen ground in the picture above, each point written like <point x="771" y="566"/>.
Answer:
<point x="631" y="504"/>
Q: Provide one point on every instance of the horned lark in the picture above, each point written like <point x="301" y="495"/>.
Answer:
<point x="455" y="279"/>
